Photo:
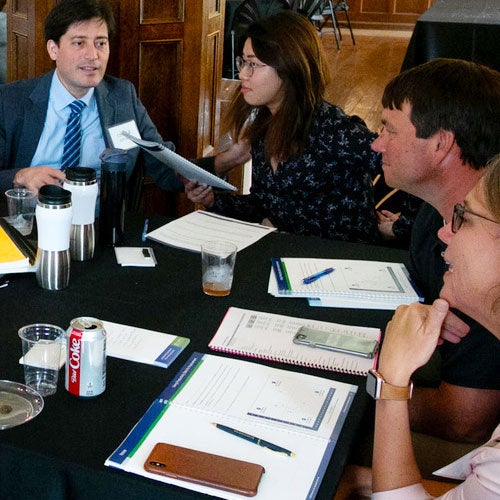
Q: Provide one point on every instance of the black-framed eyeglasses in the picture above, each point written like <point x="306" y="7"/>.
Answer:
<point x="458" y="217"/>
<point x="252" y="66"/>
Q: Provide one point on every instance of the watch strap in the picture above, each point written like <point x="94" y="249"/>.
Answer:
<point x="394" y="392"/>
<point x="384" y="390"/>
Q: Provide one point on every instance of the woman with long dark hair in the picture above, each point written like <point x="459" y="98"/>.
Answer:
<point x="312" y="166"/>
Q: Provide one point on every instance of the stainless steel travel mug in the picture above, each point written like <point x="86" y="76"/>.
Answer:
<point x="53" y="217"/>
<point x="82" y="183"/>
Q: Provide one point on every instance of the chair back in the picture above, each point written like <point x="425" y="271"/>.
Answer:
<point x="309" y="8"/>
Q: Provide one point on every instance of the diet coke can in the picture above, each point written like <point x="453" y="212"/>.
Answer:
<point x="85" y="357"/>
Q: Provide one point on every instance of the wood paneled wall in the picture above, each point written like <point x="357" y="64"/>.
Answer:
<point x="386" y="14"/>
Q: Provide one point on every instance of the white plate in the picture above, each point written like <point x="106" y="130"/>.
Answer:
<point x="18" y="404"/>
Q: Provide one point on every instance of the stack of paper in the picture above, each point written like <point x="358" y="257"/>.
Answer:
<point x="353" y="283"/>
<point x="194" y="229"/>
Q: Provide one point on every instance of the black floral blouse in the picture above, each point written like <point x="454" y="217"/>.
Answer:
<point x="326" y="192"/>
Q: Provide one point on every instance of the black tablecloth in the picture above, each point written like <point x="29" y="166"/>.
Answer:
<point x="60" y="454"/>
<point x="461" y="29"/>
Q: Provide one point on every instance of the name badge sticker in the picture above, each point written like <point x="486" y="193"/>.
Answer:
<point x="120" y="141"/>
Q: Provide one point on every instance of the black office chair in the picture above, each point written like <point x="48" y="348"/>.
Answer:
<point x="248" y="12"/>
<point x="318" y="12"/>
<point x="330" y="10"/>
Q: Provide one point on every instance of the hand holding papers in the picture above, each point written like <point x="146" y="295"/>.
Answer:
<point x="194" y="229"/>
<point x="186" y="168"/>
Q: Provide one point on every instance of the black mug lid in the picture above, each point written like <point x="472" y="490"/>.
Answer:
<point x="54" y="195"/>
<point x="80" y="174"/>
<point x="113" y="156"/>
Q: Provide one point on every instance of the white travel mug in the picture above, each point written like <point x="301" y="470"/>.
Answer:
<point x="53" y="217"/>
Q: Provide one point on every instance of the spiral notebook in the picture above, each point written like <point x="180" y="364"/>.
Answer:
<point x="343" y="283"/>
<point x="270" y="336"/>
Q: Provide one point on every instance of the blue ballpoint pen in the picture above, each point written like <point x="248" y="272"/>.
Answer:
<point x="255" y="440"/>
<point x="145" y="230"/>
<point x="310" y="279"/>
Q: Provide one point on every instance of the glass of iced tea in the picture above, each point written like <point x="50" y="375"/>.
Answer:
<point x="217" y="267"/>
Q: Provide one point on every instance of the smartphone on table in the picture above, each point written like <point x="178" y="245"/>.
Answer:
<point x="203" y="468"/>
<point x="337" y="342"/>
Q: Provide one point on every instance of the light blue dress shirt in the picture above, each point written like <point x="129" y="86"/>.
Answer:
<point x="50" y="146"/>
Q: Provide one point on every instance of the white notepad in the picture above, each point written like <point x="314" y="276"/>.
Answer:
<point x="353" y="283"/>
<point x="270" y="336"/>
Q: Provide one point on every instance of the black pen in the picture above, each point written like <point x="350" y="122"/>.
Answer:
<point x="255" y="440"/>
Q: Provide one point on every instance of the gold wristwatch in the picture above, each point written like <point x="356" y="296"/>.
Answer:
<point x="378" y="388"/>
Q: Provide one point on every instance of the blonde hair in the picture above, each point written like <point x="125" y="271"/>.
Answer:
<point x="491" y="190"/>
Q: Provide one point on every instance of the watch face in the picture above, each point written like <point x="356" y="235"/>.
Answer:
<point x="372" y="385"/>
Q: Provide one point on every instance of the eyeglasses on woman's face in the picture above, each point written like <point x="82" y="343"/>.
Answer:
<point x="458" y="217"/>
<point x="250" y="65"/>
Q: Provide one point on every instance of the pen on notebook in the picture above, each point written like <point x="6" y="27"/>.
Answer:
<point x="317" y="276"/>
<point x="145" y="230"/>
<point x="255" y="440"/>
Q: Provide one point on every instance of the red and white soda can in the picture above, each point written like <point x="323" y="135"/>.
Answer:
<point x="85" y="357"/>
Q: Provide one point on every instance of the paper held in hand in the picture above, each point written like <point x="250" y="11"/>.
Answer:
<point x="186" y="168"/>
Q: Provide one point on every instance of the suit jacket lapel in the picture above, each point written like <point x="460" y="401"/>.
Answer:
<point x="107" y="110"/>
<point x="34" y="120"/>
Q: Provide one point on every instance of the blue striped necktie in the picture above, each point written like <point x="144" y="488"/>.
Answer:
<point x="73" y="136"/>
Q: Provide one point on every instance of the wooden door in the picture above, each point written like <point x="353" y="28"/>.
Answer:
<point x="172" y="51"/>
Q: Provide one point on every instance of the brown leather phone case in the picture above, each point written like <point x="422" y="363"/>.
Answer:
<point x="205" y="468"/>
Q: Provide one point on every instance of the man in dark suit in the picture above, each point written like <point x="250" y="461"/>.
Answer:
<point x="34" y="112"/>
